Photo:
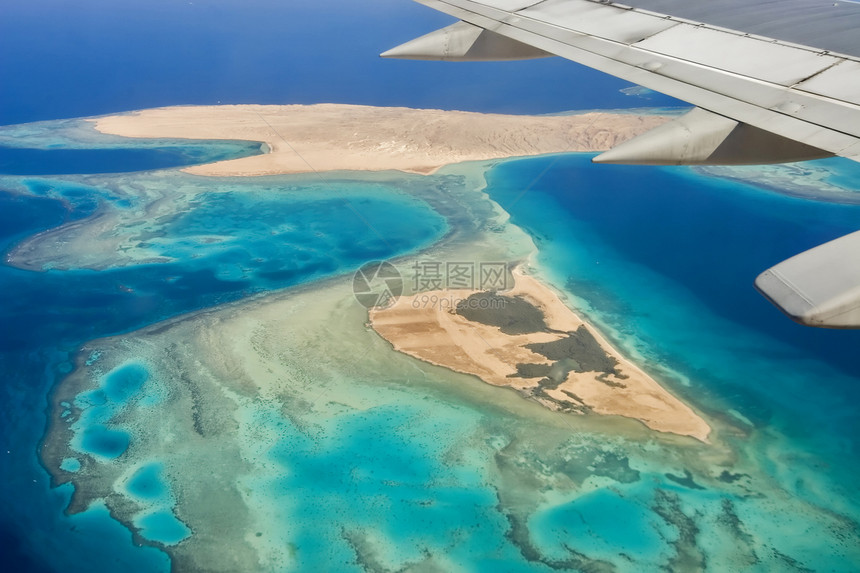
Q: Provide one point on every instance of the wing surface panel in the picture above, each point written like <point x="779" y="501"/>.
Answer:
<point x="826" y="24"/>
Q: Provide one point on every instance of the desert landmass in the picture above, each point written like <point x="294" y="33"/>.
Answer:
<point x="527" y="339"/>
<point x="331" y="137"/>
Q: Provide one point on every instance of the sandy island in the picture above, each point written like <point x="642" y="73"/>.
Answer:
<point x="528" y="340"/>
<point x="330" y="137"/>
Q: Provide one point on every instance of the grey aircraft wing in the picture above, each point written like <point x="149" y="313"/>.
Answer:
<point x="772" y="81"/>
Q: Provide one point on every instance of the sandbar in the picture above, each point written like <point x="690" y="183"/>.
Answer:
<point x="331" y="137"/>
<point x="551" y="356"/>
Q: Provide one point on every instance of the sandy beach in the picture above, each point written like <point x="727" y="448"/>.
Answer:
<point x="563" y="363"/>
<point x="330" y="137"/>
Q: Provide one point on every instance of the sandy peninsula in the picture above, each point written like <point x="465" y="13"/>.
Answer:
<point x="329" y="137"/>
<point x="527" y="339"/>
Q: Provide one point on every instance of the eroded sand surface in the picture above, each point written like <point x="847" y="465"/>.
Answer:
<point x="527" y="339"/>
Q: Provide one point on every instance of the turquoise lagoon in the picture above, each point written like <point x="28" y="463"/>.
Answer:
<point x="436" y="471"/>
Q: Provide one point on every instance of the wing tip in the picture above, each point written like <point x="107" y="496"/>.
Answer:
<point x="781" y="294"/>
<point x="819" y="287"/>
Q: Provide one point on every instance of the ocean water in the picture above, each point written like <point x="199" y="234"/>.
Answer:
<point x="662" y="259"/>
<point x="673" y="257"/>
<point x="57" y="161"/>
<point x="98" y="57"/>
<point x="239" y="242"/>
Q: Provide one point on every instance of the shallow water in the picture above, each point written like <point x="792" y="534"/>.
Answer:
<point x="56" y="161"/>
<point x="56" y="307"/>
<point x="292" y="430"/>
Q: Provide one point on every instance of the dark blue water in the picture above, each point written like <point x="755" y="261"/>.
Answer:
<point x="92" y="57"/>
<point x="45" y="316"/>
<point x="668" y="258"/>
<point x="24" y="161"/>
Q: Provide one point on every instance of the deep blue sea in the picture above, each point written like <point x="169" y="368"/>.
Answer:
<point x="663" y="258"/>
<point x="96" y="57"/>
<point x="669" y="257"/>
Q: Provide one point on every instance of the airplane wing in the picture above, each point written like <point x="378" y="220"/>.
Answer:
<point x="772" y="81"/>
